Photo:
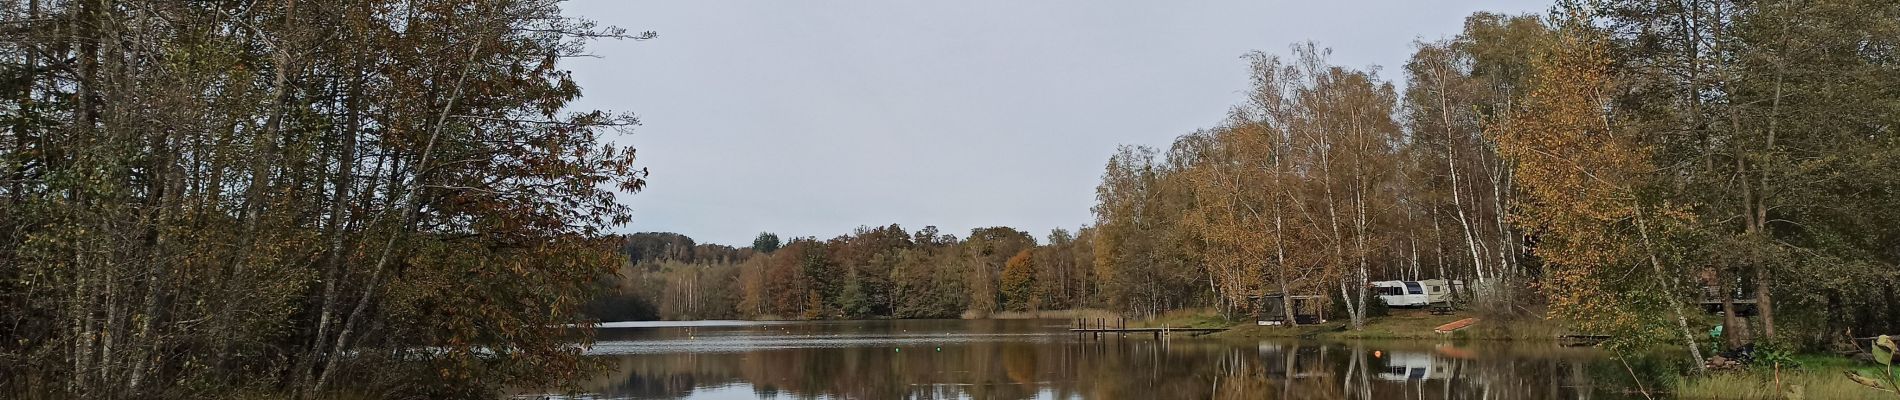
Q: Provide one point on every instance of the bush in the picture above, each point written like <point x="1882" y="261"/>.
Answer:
<point x="1375" y="307"/>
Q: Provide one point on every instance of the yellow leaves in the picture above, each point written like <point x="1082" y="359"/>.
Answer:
<point x="1884" y="349"/>
<point x="1579" y="177"/>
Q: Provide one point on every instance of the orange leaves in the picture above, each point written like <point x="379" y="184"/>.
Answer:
<point x="1573" y="173"/>
<point x="1576" y="174"/>
<point x="1019" y="282"/>
<point x="1582" y="177"/>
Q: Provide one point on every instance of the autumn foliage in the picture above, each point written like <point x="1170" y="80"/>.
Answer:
<point x="299" y="198"/>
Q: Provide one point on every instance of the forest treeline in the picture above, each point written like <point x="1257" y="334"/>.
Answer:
<point x="278" y="199"/>
<point x="874" y="272"/>
<point x="1610" y="164"/>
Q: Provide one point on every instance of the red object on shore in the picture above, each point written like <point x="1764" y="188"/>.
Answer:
<point x="1455" y="325"/>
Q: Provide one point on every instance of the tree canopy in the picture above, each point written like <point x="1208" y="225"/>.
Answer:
<point x="204" y="198"/>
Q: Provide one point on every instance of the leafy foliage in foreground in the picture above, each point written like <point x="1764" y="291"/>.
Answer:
<point x="385" y="197"/>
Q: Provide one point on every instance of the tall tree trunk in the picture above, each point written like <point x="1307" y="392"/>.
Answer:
<point x="167" y="188"/>
<point x="343" y="181"/>
<point x="1338" y="246"/>
<point x="1438" y="245"/>
<point x="1764" y="279"/>
<point x="1359" y="245"/>
<point x="1457" y="203"/>
<point x="1279" y="251"/>
<point x="89" y="26"/>
<point x="1734" y="329"/>
<point x="1764" y="301"/>
<point x="1499" y="179"/>
<point x="1666" y="282"/>
<point x="410" y="201"/>
<point x="1281" y="149"/>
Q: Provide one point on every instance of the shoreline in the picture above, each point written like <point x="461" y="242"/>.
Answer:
<point x="1407" y="325"/>
<point x="1400" y="324"/>
<point x="1068" y="314"/>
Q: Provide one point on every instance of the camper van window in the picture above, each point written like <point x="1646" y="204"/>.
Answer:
<point x="1390" y="291"/>
<point x="1414" y="288"/>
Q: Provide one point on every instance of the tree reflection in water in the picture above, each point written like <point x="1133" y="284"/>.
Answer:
<point x="1037" y="359"/>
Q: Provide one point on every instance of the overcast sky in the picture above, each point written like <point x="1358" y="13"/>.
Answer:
<point x="811" y="118"/>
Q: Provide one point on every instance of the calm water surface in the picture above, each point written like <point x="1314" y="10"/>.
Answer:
<point x="1039" y="359"/>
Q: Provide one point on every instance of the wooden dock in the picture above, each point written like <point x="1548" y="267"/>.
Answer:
<point x="1148" y="330"/>
<point x="1119" y="327"/>
<point x="1581" y="340"/>
<point x="1144" y="330"/>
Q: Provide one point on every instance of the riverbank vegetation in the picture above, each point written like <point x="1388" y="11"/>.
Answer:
<point x="298" y="199"/>
<point x="1410" y="325"/>
<point x="1618" y="166"/>
<point x="1809" y="378"/>
<point x="274" y="197"/>
<point x="1553" y="161"/>
<point x="1621" y="167"/>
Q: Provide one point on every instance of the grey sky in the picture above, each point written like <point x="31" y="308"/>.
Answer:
<point x="811" y="118"/>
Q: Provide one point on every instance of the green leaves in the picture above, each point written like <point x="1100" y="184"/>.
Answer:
<point x="1883" y="353"/>
<point x="1883" y="350"/>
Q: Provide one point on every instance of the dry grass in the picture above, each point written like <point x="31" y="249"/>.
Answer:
<point x="1406" y="324"/>
<point x="1186" y="318"/>
<point x="1826" y="384"/>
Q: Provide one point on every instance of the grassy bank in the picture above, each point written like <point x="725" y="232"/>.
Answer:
<point x="1814" y="377"/>
<point x="1186" y="318"/>
<point x="1805" y="377"/>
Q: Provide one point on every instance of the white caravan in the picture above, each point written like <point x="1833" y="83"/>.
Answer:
<point x="1414" y="293"/>
<point x="1412" y="366"/>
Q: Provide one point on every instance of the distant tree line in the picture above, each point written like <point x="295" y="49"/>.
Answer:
<point x="874" y="272"/>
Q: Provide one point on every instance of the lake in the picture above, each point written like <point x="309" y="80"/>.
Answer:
<point x="1039" y="359"/>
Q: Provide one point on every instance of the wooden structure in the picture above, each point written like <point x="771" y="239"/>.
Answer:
<point x="1713" y="293"/>
<point x="1743" y="307"/>
<point x="1120" y="327"/>
<point x="1581" y="340"/>
<point x="1307" y="309"/>
<point x="1455" y="325"/>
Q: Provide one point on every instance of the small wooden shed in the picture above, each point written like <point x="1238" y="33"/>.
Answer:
<point x="1307" y="309"/>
